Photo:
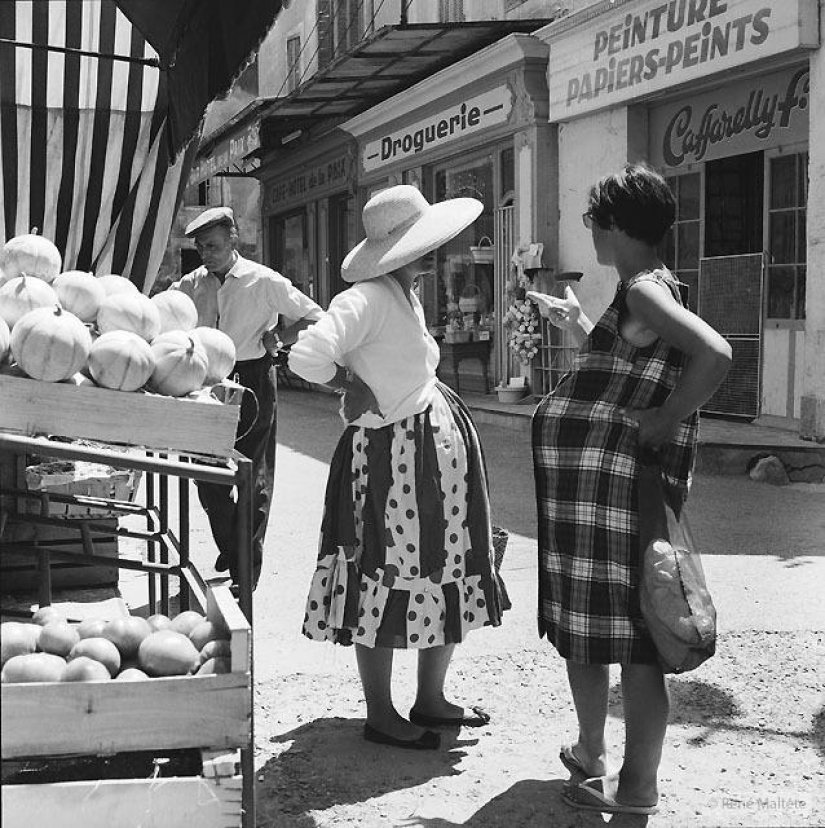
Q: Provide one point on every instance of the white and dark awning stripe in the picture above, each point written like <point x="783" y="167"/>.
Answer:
<point x="85" y="151"/>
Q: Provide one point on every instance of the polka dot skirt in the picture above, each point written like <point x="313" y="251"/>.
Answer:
<point x="405" y="558"/>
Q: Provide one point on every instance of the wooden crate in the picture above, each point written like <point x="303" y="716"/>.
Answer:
<point x="213" y="713"/>
<point x="198" y="423"/>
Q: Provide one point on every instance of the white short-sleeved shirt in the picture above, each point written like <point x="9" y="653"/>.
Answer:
<point x="374" y="331"/>
<point x="249" y="302"/>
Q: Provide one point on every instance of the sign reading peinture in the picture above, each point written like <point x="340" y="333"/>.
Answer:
<point x="643" y="47"/>
<point x="742" y="117"/>
<point x="465" y="118"/>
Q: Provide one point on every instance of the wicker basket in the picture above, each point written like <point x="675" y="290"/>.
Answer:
<point x="500" y="538"/>
<point x="483" y="252"/>
<point x="470" y="299"/>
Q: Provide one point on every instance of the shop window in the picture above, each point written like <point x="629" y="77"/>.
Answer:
<point x="340" y="27"/>
<point x="734" y="200"/>
<point x="682" y="245"/>
<point x="293" y="62"/>
<point x="787" y="242"/>
<point x="508" y="172"/>
<point x="290" y="252"/>
<point x="451" y="11"/>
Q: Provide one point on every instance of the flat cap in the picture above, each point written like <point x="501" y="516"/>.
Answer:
<point x="212" y="217"/>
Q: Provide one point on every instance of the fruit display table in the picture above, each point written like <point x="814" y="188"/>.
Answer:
<point x="210" y="714"/>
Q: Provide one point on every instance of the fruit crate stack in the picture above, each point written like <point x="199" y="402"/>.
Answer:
<point x="190" y="706"/>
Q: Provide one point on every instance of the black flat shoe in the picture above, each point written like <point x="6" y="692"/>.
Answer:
<point x="478" y="719"/>
<point x="426" y="741"/>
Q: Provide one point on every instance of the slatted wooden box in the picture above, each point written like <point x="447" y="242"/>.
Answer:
<point x="212" y="713"/>
<point x="197" y="424"/>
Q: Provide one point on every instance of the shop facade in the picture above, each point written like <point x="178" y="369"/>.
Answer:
<point x="478" y="128"/>
<point x="727" y="100"/>
<point x="309" y="215"/>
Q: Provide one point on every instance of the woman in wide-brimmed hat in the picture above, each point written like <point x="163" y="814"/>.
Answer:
<point x="405" y="557"/>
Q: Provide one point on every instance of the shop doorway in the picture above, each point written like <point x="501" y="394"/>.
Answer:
<point x="734" y="205"/>
<point x="340" y="234"/>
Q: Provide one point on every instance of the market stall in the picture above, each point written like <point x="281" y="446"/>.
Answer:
<point x="101" y="105"/>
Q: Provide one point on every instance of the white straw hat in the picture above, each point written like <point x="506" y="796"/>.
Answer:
<point x="402" y="226"/>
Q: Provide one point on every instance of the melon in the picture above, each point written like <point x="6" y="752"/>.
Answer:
<point x="31" y="254"/>
<point x="131" y="674"/>
<point x="23" y="294"/>
<point x="127" y="634"/>
<point x="177" y="311"/>
<point x="79" y="292"/>
<point x="48" y="613"/>
<point x="205" y="632"/>
<point x="186" y="621"/>
<point x="112" y="283"/>
<point x="91" y="627"/>
<point x="121" y="360"/>
<point x="214" y="666"/>
<point x="58" y="638"/>
<point x="217" y="648"/>
<point x="84" y="668"/>
<point x="180" y="364"/>
<point x="5" y="340"/>
<point x="168" y="653"/>
<point x="17" y="638"/>
<point x="159" y="621"/>
<point x="99" y="649"/>
<point x="50" y="344"/>
<point x="129" y="312"/>
<point x="21" y="669"/>
<point x="220" y="353"/>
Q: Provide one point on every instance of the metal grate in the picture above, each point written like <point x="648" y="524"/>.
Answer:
<point x="739" y="392"/>
<point x="504" y="243"/>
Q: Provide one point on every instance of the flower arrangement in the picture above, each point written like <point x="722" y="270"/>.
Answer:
<point x="522" y="320"/>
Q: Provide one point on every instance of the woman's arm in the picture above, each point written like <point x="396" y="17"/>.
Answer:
<point x="708" y="359"/>
<point x="566" y="313"/>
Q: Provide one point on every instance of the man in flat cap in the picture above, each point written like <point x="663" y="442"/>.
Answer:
<point x="246" y="301"/>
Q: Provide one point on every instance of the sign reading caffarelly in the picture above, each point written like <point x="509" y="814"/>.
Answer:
<point x="748" y="116"/>
<point x="465" y="118"/>
<point x="314" y="182"/>
<point x="637" y="48"/>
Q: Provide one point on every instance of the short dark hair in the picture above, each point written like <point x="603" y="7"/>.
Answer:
<point x="637" y="200"/>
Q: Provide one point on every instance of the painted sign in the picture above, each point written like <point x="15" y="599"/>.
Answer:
<point x="743" y="117"/>
<point x="465" y="118"/>
<point x="227" y="153"/>
<point x="638" y="48"/>
<point x="310" y="183"/>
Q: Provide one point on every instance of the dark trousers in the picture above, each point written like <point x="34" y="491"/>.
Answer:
<point x="257" y="429"/>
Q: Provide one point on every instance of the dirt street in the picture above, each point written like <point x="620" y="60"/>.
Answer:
<point x="746" y="740"/>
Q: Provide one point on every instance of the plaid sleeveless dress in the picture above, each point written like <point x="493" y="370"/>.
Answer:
<point x="584" y="457"/>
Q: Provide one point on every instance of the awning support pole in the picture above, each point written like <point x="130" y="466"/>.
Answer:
<point x="70" y="50"/>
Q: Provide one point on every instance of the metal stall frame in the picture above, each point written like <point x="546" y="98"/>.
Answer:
<point x="167" y="553"/>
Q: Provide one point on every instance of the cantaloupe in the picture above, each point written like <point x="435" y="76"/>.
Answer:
<point x="127" y="634"/>
<point x="50" y="344"/>
<point x="205" y="632"/>
<point x="112" y="283"/>
<point x="58" y="638"/>
<point x="168" y="653"/>
<point x="31" y="254"/>
<point x="17" y="638"/>
<point x="21" y="669"/>
<point x="186" y="621"/>
<point x="99" y="649"/>
<point x="79" y="292"/>
<point x="180" y="364"/>
<point x="129" y="312"/>
<point x="23" y="294"/>
<point x="84" y="668"/>
<point x="5" y="340"/>
<point x="177" y="311"/>
<point x="220" y="353"/>
<point x="121" y="360"/>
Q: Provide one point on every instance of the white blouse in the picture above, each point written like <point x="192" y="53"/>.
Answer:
<point x="373" y="330"/>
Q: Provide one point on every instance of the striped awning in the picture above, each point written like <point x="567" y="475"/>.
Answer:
<point x="96" y="124"/>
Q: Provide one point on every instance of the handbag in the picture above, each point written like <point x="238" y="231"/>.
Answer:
<point x="675" y="602"/>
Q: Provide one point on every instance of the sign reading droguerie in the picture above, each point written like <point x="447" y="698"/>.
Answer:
<point x="313" y="182"/>
<point x="642" y="47"/>
<point x="470" y="116"/>
<point x="743" y="117"/>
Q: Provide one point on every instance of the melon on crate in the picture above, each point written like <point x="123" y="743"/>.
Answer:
<point x="112" y="283"/>
<point x="129" y="312"/>
<point x="121" y="360"/>
<point x="23" y="294"/>
<point x="50" y="344"/>
<point x="22" y="669"/>
<point x="17" y="638"/>
<point x="177" y="311"/>
<point x="127" y="634"/>
<point x="180" y="364"/>
<point x="84" y="668"/>
<point x="58" y="638"/>
<point x="5" y="340"/>
<point x="168" y="653"/>
<point x="31" y="254"/>
<point x="79" y="292"/>
<point x="99" y="649"/>
<point x="220" y="352"/>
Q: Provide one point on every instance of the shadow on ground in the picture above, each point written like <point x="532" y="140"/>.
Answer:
<point x="326" y="763"/>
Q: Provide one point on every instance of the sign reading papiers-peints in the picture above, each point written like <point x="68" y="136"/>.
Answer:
<point x="642" y="47"/>
<point x="748" y="116"/>
<point x="465" y="118"/>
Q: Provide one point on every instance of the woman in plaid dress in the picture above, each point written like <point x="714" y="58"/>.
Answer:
<point x="640" y="375"/>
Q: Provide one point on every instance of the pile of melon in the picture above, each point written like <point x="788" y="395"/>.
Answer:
<point x="130" y="648"/>
<point x="101" y="329"/>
